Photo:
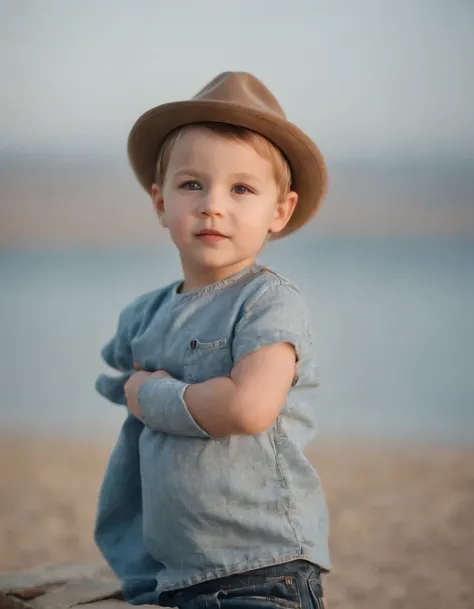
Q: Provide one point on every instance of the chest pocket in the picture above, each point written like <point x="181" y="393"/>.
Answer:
<point x="206" y="360"/>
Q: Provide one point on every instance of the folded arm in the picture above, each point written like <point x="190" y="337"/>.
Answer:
<point x="247" y="402"/>
<point x="269" y="340"/>
<point x="250" y="401"/>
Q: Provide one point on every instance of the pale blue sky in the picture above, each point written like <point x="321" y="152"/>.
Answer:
<point x="365" y="77"/>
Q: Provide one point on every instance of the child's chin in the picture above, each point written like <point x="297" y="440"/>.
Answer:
<point x="215" y="259"/>
<point x="214" y="262"/>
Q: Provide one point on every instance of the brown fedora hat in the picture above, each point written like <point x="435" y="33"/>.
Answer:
<point x="240" y="99"/>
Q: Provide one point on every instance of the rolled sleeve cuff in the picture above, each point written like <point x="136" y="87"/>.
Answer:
<point x="163" y="408"/>
<point x="256" y="341"/>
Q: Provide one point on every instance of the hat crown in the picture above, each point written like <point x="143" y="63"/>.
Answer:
<point x="243" y="89"/>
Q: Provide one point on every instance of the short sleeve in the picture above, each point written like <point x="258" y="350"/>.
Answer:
<point x="117" y="353"/>
<point x="278" y="314"/>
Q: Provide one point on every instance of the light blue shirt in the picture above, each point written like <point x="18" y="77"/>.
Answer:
<point x="178" y="507"/>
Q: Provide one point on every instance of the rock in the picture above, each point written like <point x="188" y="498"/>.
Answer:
<point x="61" y="587"/>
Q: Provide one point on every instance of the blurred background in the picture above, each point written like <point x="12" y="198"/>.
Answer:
<point x="387" y="91"/>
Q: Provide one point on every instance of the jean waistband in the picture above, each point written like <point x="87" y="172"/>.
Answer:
<point x="296" y="567"/>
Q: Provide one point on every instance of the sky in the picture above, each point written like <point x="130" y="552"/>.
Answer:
<point x="366" y="78"/>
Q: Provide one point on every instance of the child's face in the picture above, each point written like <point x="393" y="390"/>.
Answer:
<point x="213" y="183"/>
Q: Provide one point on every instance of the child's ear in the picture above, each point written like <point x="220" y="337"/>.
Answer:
<point x="283" y="212"/>
<point x="159" y="204"/>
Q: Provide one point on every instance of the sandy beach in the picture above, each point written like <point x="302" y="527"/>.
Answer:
<point x="402" y="518"/>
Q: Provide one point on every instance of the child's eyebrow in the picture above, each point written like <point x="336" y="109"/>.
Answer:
<point x="245" y="177"/>
<point x="188" y="171"/>
<point x="251" y="177"/>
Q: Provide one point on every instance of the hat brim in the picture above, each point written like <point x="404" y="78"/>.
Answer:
<point x="306" y="161"/>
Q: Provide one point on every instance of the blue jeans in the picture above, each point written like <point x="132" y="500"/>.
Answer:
<point x="293" y="585"/>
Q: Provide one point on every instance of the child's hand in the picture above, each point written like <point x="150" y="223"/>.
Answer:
<point x="161" y="374"/>
<point x="132" y="387"/>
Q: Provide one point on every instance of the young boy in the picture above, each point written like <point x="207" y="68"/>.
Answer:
<point x="208" y="500"/>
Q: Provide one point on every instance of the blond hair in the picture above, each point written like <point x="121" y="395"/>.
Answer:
<point x="264" y="147"/>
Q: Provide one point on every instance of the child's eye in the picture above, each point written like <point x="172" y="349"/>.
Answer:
<point x="240" y="189"/>
<point x="190" y="186"/>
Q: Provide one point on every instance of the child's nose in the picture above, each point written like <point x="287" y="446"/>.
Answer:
<point x="211" y="204"/>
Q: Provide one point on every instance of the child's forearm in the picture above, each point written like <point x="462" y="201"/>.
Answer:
<point x="209" y="409"/>
<point x="249" y="402"/>
<point x="215" y="406"/>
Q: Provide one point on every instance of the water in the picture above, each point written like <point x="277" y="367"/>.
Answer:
<point x="393" y="320"/>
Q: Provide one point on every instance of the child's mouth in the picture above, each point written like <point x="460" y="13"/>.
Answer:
<point x="211" y="237"/>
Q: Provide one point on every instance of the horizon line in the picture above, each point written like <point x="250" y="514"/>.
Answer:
<point x="401" y="159"/>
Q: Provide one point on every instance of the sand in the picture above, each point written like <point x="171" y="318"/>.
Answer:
<point x="402" y="518"/>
